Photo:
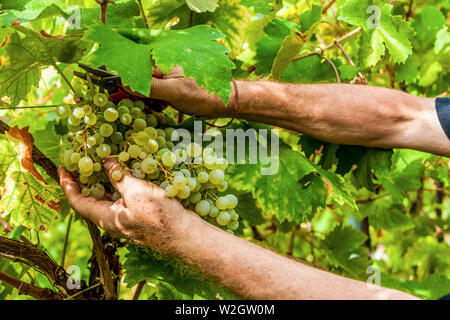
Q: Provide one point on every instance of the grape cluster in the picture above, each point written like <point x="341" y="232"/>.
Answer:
<point x="143" y="145"/>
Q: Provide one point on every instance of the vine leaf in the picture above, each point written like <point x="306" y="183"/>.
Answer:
<point x="115" y="49"/>
<point x="290" y="47"/>
<point x="26" y="196"/>
<point x="344" y="249"/>
<point x="202" y="5"/>
<point x="310" y="17"/>
<point x="27" y="54"/>
<point x="199" y="54"/>
<point x="384" y="216"/>
<point x="380" y="31"/>
<point x="172" y="282"/>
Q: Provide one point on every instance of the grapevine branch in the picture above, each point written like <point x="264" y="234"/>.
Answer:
<point x="321" y="50"/>
<point x="30" y="290"/>
<point x="325" y="9"/>
<point x="31" y="255"/>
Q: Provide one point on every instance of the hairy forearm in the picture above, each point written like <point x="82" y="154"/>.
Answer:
<point x="344" y="114"/>
<point x="253" y="272"/>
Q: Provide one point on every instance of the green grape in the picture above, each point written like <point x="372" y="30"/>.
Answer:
<point x="214" y="212"/>
<point x="78" y="112"/>
<point x="63" y="111"/>
<point x="222" y="203"/>
<point x="183" y="193"/>
<point x="116" y="175"/>
<point x="186" y="173"/>
<point x="116" y="196"/>
<point x="90" y="119"/>
<point x="161" y="133"/>
<point x="71" y="167"/>
<point x="155" y="175"/>
<point x="142" y="155"/>
<point x="99" y="138"/>
<point x="164" y="184"/>
<point x="103" y="150"/>
<point x="161" y="116"/>
<point x="85" y="164"/>
<point x="126" y="119"/>
<point x="161" y="141"/>
<point x="139" y="124"/>
<point x="141" y="138"/>
<point x="87" y="109"/>
<point x="170" y="145"/>
<point x="216" y="176"/>
<point x="97" y="191"/>
<point x="152" y="121"/>
<point x="152" y="146"/>
<point x="171" y="191"/>
<point x="179" y="182"/>
<point x="223" y="218"/>
<point x="91" y="141"/>
<point x="114" y="149"/>
<point x="171" y="134"/>
<point x="138" y="173"/>
<point x="136" y="164"/>
<point x="110" y="114"/>
<point x="79" y="136"/>
<point x="232" y="201"/>
<point x="139" y="104"/>
<point x="230" y="231"/>
<point x="135" y="112"/>
<point x="67" y="156"/>
<point x="122" y="110"/>
<point x="84" y="179"/>
<point x="116" y="137"/>
<point x="100" y="99"/>
<point x="75" y="157"/>
<point x="87" y="173"/>
<point x="162" y="151"/>
<point x="126" y="102"/>
<point x="203" y="208"/>
<point x="168" y="159"/>
<point x="203" y="177"/>
<point x="149" y="165"/>
<point x="152" y="133"/>
<point x="85" y="192"/>
<point x="223" y="186"/>
<point x="195" y="197"/>
<point x="209" y="162"/>
<point x="106" y="130"/>
<point x="97" y="167"/>
<point x="234" y="215"/>
<point x="181" y="155"/>
<point x="73" y="121"/>
<point x="221" y="164"/>
<point x="124" y="156"/>
<point x="191" y="183"/>
<point x="134" y="151"/>
<point x="233" y="225"/>
<point x="129" y="133"/>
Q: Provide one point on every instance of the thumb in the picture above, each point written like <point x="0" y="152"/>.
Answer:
<point x="127" y="183"/>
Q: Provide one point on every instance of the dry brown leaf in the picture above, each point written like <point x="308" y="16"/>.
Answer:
<point x="26" y="143"/>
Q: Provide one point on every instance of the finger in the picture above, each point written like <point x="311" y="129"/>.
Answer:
<point x="99" y="212"/>
<point x="127" y="183"/>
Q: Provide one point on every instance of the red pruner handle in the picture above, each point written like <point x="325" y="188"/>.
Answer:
<point x="120" y="95"/>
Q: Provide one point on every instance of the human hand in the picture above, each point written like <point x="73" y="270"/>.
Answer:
<point x="184" y="95"/>
<point x="144" y="214"/>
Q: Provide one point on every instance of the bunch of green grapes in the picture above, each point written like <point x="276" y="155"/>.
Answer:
<point x="143" y="145"/>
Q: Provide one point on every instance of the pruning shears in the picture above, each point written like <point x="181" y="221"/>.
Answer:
<point x="113" y="84"/>
<point x="106" y="80"/>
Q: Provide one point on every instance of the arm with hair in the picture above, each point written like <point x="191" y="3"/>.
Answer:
<point x="338" y="113"/>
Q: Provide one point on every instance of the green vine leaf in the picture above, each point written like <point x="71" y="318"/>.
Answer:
<point x="114" y="50"/>
<point x="202" y="5"/>
<point x="26" y="197"/>
<point x="290" y="47"/>
<point x="380" y="30"/>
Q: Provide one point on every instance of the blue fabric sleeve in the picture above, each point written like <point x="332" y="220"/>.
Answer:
<point x="443" y="112"/>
